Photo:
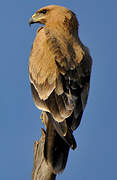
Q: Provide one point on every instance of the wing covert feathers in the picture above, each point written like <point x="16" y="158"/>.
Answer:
<point x="43" y="71"/>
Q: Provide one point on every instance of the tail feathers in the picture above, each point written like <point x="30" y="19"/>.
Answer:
<point x="55" y="150"/>
<point x="59" y="128"/>
<point x="70" y="140"/>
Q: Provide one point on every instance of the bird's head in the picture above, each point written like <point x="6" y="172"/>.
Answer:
<point x="53" y="15"/>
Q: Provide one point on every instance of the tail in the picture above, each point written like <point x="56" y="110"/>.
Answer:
<point x="56" y="148"/>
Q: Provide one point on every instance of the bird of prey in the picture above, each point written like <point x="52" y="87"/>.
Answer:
<point x="59" y="72"/>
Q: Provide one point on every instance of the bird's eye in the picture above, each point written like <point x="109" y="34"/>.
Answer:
<point x="44" y="11"/>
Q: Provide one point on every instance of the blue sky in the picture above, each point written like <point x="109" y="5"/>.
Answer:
<point x="96" y="156"/>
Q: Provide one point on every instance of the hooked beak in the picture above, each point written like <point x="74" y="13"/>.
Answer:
<point x="31" y="21"/>
<point x="36" y="18"/>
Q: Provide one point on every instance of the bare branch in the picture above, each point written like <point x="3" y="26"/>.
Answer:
<point x="41" y="170"/>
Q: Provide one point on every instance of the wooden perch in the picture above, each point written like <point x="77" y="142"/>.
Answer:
<point x="41" y="170"/>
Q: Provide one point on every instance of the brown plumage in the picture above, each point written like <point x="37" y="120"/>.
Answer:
<point x="59" y="71"/>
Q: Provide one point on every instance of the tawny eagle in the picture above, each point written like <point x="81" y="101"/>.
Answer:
<point x="59" y="72"/>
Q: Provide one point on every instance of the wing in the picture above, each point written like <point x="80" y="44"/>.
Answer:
<point x="74" y="65"/>
<point x="45" y="78"/>
<point x="79" y="86"/>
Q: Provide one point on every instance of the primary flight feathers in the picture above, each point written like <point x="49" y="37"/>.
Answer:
<point x="59" y="72"/>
